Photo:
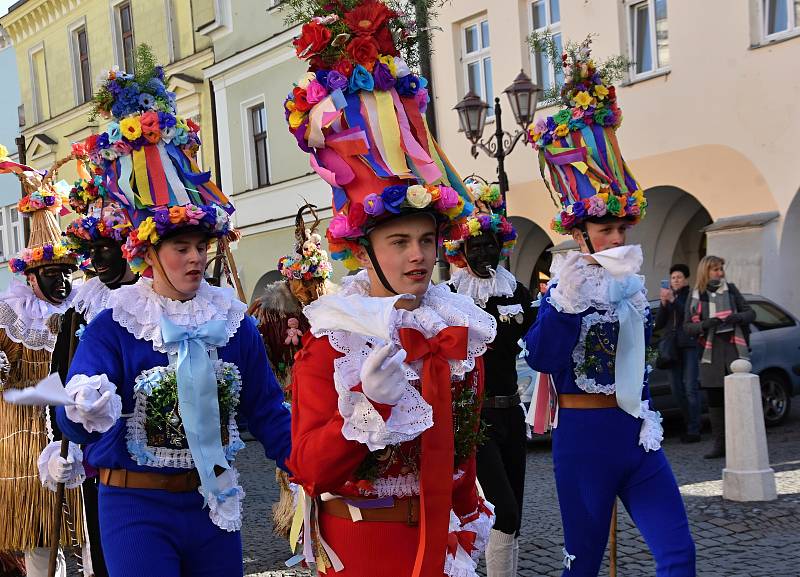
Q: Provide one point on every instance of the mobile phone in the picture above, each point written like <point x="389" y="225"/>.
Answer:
<point x="665" y="283"/>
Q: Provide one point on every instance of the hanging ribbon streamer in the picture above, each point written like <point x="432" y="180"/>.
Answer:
<point x="124" y="181"/>
<point x="630" y="358"/>
<point x="175" y="182"/>
<point x="140" y="174"/>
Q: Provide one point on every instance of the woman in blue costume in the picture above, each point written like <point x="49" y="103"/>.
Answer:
<point x="159" y="376"/>
<point x="590" y="335"/>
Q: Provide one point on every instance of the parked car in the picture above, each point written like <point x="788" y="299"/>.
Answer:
<point x="775" y="343"/>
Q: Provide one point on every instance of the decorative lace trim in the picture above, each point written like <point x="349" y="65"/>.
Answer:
<point x="144" y="454"/>
<point x="508" y="312"/>
<point x="587" y="286"/>
<point x="91" y="298"/>
<point x="652" y="433"/>
<point x="584" y="382"/>
<point x="480" y="290"/>
<point x="225" y="505"/>
<point x="54" y="448"/>
<point x="464" y="563"/>
<point x="27" y="319"/>
<point x="138" y="308"/>
<point x="400" y="486"/>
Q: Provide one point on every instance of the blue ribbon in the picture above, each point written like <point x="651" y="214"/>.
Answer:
<point x="197" y="396"/>
<point x="629" y="362"/>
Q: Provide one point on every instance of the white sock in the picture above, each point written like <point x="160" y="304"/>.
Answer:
<point x="515" y="561"/>
<point x="500" y="555"/>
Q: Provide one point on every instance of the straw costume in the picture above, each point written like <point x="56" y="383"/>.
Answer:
<point x="590" y="335"/>
<point x="475" y="248"/>
<point x="160" y="381"/>
<point x="29" y="326"/>
<point x="391" y="486"/>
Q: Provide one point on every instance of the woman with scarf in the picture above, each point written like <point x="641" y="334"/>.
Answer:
<point x="718" y="314"/>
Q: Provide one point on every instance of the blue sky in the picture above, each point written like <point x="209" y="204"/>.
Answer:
<point x="4" y="4"/>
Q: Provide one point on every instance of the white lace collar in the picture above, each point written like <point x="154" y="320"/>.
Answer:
<point x="91" y="298"/>
<point x="26" y="318"/>
<point x="480" y="290"/>
<point x="440" y="308"/>
<point x="588" y="286"/>
<point x="139" y="309"/>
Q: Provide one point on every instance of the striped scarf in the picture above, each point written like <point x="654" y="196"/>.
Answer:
<point x="719" y="306"/>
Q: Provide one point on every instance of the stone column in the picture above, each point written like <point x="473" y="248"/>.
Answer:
<point x="747" y="475"/>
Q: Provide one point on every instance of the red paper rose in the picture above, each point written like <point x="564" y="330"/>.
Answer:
<point x="363" y="50"/>
<point x="344" y="67"/>
<point x="193" y="126"/>
<point x="385" y="42"/>
<point x="356" y="217"/>
<point x="367" y="18"/>
<point x="313" y="39"/>
<point x="300" y="101"/>
<point x="91" y="142"/>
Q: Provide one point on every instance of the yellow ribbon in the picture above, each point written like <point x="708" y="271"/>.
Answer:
<point x="142" y="182"/>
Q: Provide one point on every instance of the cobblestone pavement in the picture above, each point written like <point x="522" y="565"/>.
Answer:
<point x="733" y="539"/>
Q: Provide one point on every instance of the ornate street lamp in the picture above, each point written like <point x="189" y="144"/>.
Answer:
<point x="523" y="96"/>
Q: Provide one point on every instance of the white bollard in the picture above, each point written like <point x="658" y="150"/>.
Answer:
<point x="747" y="475"/>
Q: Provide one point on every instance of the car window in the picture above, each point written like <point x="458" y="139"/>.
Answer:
<point x="769" y="316"/>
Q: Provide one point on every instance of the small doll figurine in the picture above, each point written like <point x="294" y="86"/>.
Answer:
<point x="293" y="333"/>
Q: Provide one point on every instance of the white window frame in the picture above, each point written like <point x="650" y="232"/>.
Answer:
<point x="479" y="56"/>
<point x="554" y="29"/>
<point x="77" y="80"/>
<point x="630" y="7"/>
<point x="35" y="96"/>
<point x="8" y="232"/>
<point x="793" y="19"/>
<point x="116" y="31"/>
<point x="251" y="174"/>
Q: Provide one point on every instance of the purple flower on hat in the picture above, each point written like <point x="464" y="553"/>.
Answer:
<point x="393" y="197"/>
<point x="551" y="124"/>
<point x="161" y="218"/>
<point x="422" y="99"/>
<point x="146" y="100"/>
<point x="597" y="206"/>
<point x="579" y="210"/>
<point x="448" y="198"/>
<point x="103" y="141"/>
<point x="383" y="77"/>
<point x="47" y="252"/>
<point x="322" y="76"/>
<point x="373" y="205"/>
<point x="211" y="215"/>
<point x="336" y="81"/>
<point x="408" y="85"/>
<point x="49" y="200"/>
<point x="300" y="135"/>
<point x="165" y="120"/>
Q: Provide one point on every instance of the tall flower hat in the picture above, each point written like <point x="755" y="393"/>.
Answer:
<point x="359" y="112"/>
<point x="486" y="199"/>
<point x="145" y="159"/>
<point x="309" y="262"/>
<point x="42" y="201"/>
<point x="99" y="216"/>
<point x="578" y="147"/>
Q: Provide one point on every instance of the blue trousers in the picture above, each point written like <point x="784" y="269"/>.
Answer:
<point x="154" y="533"/>
<point x="686" y="388"/>
<point x="597" y="458"/>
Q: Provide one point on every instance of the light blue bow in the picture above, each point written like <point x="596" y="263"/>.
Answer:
<point x="197" y="395"/>
<point x="629" y="362"/>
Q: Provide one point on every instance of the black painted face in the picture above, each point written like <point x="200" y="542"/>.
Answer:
<point x="482" y="253"/>
<point x="107" y="260"/>
<point x="55" y="282"/>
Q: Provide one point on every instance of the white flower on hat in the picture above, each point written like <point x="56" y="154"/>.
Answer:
<point x="306" y="79"/>
<point x="401" y="67"/>
<point x="418" y="196"/>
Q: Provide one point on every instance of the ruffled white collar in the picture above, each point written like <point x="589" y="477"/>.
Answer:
<point x="480" y="290"/>
<point x="440" y="308"/>
<point x="139" y="309"/>
<point x="91" y="298"/>
<point x="26" y="318"/>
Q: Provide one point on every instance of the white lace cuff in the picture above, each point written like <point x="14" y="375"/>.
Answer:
<point x="362" y="421"/>
<point x="225" y="506"/>
<point x="567" y="296"/>
<point x="471" y="539"/>
<point x="95" y="416"/>
<point x="652" y="433"/>
<point x="78" y="472"/>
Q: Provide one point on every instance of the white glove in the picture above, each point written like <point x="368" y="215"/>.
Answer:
<point x="566" y="295"/>
<point x="383" y="378"/>
<point x="55" y="469"/>
<point x="98" y="406"/>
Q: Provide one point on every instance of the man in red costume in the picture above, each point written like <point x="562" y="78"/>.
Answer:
<point x="387" y="387"/>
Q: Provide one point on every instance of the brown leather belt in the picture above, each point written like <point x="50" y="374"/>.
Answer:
<point x="405" y="510"/>
<point x="180" y="483"/>
<point x="500" y="402"/>
<point x="587" y="401"/>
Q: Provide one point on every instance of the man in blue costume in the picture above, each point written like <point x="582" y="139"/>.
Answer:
<point x="590" y="335"/>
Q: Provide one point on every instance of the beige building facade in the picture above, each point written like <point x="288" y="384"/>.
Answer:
<point x="708" y="123"/>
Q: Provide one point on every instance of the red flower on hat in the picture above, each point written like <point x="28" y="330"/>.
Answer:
<point x="367" y="18"/>
<point x="300" y="101"/>
<point x="386" y="42"/>
<point x="91" y="142"/>
<point x="356" y="217"/>
<point x="193" y="126"/>
<point x="313" y="39"/>
<point x="364" y="50"/>
<point x="344" y="67"/>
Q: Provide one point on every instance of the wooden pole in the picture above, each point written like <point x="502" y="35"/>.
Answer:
<point x="22" y="158"/>
<point x="612" y="543"/>
<point x="234" y="271"/>
<point x="58" y="507"/>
